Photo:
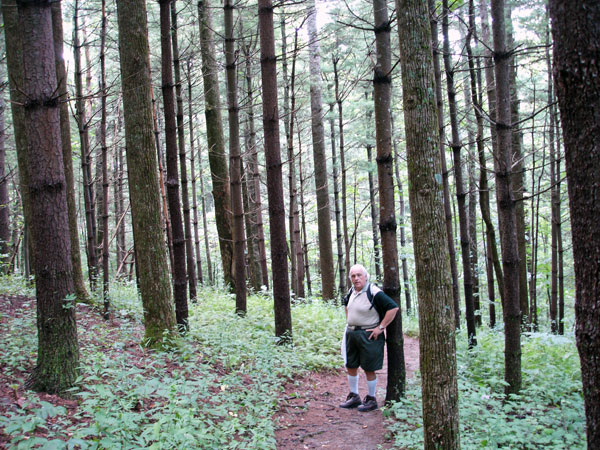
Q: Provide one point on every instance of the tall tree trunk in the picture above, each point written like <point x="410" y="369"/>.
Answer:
<point x="339" y="101"/>
<point x="185" y="196"/>
<point x="83" y="126"/>
<point x="382" y="94"/>
<point x="14" y="63"/>
<point x="434" y="285"/>
<point x="279" y="266"/>
<point x="105" y="182"/>
<point x="484" y="196"/>
<point x="61" y="76"/>
<point x="193" y="173"/>
<point x="5" y="233"/>
<point x="338" y="212"/>
<point x="179" y="268"/>
<point x="235" y="163"/>
<point x="150" y="249"/>
<point x="320" y="159"/>
<point x="204" y="221"/>
<point x="440" y="120"/>
<point x="216" y="144"/>
<point x="518" y="175"/>
<point x="576" y="34"/>
<point x="506" y="205"/>
<point x="374" y="219"/>
<point x="304" y="236"/>
<point x="57" y="363"/>
<point x="461" y="192"/>
<point x="254" y="174"/>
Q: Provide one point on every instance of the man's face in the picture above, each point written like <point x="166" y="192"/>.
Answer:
<point x="358" y="278"/>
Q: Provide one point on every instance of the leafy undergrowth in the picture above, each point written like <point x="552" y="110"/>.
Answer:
<point x="218" y="389"/>
<point x="548" y="414"/>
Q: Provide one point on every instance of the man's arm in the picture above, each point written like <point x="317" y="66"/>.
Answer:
<point x="387" y="319"/>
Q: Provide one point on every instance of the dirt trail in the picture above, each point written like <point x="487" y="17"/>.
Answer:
<point x="310" y="417"/>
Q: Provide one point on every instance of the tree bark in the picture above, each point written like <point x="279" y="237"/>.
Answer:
<point x="179" y="268"/>
<point x="185" y="196"/>
<point x="374" y="218"/>
<point x="434" y="285"/>
<point x="506" y="205"/>
<point x="461" y="192"/>
<point x="576" y="34"/>
<point x="320" y="159"/>
<point x="57" y="364"/>
<point x="235" y="163"/>
<point x="5" y="233"/>
<point x="279" y="266"/>
<point x="150" y="249"/>
<point x="382" y="90"/>
<point x="216" y="144"/>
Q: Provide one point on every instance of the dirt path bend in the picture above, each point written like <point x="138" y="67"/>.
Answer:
<point x="310" y="418"/>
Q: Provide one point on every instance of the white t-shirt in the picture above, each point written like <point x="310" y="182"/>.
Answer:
<point x="360" y="312"/>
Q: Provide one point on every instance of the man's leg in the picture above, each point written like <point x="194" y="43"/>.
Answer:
<point x="353" y="399"/>
<point x="371" y="383"/>
<point x="370" y="402"/>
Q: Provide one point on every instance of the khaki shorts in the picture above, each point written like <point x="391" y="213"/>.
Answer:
<point x="364" y="352"/>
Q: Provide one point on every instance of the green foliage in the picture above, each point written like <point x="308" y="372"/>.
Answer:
<point x="217" y="389"/>
<point x="548" y="413"/>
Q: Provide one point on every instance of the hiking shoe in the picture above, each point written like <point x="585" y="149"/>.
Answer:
<point x="369" y="404"/>
<point x="352" y="401"/>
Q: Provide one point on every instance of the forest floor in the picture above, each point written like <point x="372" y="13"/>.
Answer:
<point x="309" y="416"/>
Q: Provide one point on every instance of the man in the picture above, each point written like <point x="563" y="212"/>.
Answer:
<point x="368" y="311"/>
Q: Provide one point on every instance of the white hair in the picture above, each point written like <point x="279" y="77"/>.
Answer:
<point x="361" y="267"/>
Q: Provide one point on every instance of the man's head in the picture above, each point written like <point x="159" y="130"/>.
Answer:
<point x="358" y="276"/>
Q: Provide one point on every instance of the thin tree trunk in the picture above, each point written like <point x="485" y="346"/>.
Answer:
<point x="185" y="196"/>
<point x="434" y="285"/>
<point x="382" y="95"/>
<point x="320" y="159"/>
<point x="374" y="218"/>
<point x="255" y="194"/>
<point x="461" y="193"/>
<point x="506" y="205"/>
<point x="179" y="267"/>
<point x="57" y="363"/>
<point x="80" y="289"/>
<point x="279" y="266"/>
<point x="446" y="192"/>
<point x="193" y="173"/>
<point x="5" y="233"/>
<point x="211" y="279"/>
<point x="105" y="182"/>
<point x="150" y="250"/>
<point x="338" y="212"/>
<point x="217" y="157"/>
<point x="235" y="163"/>
<point x="304" y="234"/>
<point x="83" y="125"/>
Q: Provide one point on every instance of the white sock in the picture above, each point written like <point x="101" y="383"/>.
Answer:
<point x="353" y="383"/>
<point x="372" y="386"/>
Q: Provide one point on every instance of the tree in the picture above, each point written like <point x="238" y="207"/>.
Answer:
<point x="216" y="143"/>
<point x="150" y="250"/>
<point x="506" y="205"/>
<point x="179" y="261"/>
<point x="57" y="364"/>
<point x="576" y="34"/>
<point x="382" y="95"/>
<point x="235" y="163"/>
<point x="434" y="286"/>
<point x="279" y="265"/>
<point x="318" y="138"/>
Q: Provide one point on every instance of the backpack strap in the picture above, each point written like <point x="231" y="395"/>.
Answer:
<point x="370" y="296"/>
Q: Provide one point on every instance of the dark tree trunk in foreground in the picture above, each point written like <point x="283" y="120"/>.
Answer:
<point x="279" y="264"/>
<point x="179" y="269"/>
<point x="434" y="286"/>
<point x="61" y="76"/>
<point x="576" y="33"/>
<point x="506" y="205"/>
<point x="4" y="197"/>
<point x="382" y="95"/>
<point x="217" y="156"/>
<point x="57" y="364"/>
<point x="185" y="197"/>
<point x="235" y="163"/>
<point x="320" y="159"/>
<point x="150" y="248"/>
